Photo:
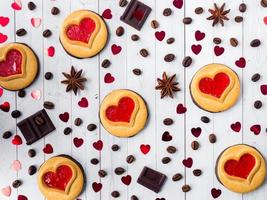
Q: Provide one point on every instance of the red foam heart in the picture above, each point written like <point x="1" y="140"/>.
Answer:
<point x="121" y="112"/>
<point x="109" y="78"/>
<point x="3" y="38"/>
<point x="59" y="179"/>
<point x="215" y="193"/>
<point x="264" y="89"/>
<point x="241" y="62"/>
<point x="181" y="109"/>
<point x="1" y="91"/>
<point x="78" y="142"/>
<point x="107" y="14"/>
<point x="236" y="126"/>
<point x="215" y="86"/>
<point x="166" y="136"/>
<point x="81" y="32"/>
<point x="199" y="35"/>
<point x="12" y="64"/>
<point x="196" y="48"/>
<point x="64" y="117"/>
<point x="242" y="167"/>
<point x="160" y="35"/>
<point x="116" y="49"/>
<point x="22" y="197"/>
<point x="48" y="149"/>
<point x="256" y="129"/>
<point x="188" y="162"/>
<point x="17" y="140"/>
<point x="196" y="131"/>
<point x="83" y="103"/>
<point x="126" y="179"/>
<point x="97" y="186"/>
<point x="51" y="51"/>
<point x="178" y="3"/>
<point x="4" y="21"/>
<point x="98" y="145"/>
<point x="265" y="20"/>
<point x="218" y="50"/>
<point x="16" y="6"/>
<point x="145" y="148"/>
<point x="5" y="107"/>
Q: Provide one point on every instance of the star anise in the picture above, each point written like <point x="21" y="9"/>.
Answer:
<point x="167" y="85"/>
<point x="74" y="80"/>
<point x="218" y="15"/>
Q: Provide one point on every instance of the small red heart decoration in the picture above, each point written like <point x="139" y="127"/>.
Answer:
<point x="48" y="149"/>
<point x="236" y="126"/>
<point x="264" y="89"/>
<point x="215" y="193"/>
<point x="5" y="107"/>
<point x="78" y="142"/>
<point x="1" y="91"/>
<point x="145" y="148"/>
<point x="116" y="49"/>
<point x="126" y="179"/>
<point x="178" y="3"/>
<point x="196" y="131"/>
<point x="3" y="38"/>
<point x="97" y="186"/>
<point x="83" y="103"/>
<point x="256" y="129"/>
<point x="199" y="35"/>
<point x="17" y="140"/>
<point x="16" y="6"/>
<point x="22" y="197"/>
<point x="196" y="48"/>
<point x="241" y="62"/>
<point x="188" y="162"/>
<point x="109" y="78"/>
<point x="166" y="136"/>
<point x="218" y="50"/>
<point x="51" y="51"/>
<point x="4" y="21"/>
<point x="98" y="145"/>
<point x="160" y="35"/>
<point x="180" y="109"/>
<point x="265" y="20"/>
<point x="107" y="14"/>
<point x="64" y="117"/>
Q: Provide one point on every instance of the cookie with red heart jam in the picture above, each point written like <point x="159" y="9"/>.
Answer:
<point x="215" y="88"/>
<point x="18" y="66"/>
<point x="123" y="113"/>
<point x="241" y="168"/>
<point x="61" y="177"/>
<point x="83" y="34"/>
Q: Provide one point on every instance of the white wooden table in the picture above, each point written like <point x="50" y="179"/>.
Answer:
<point x="152" y="67"/>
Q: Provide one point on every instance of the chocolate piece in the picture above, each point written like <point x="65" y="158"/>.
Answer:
<point x="36" y="126"/>
<point x="136" y="14"/>
<point x="151" y="179"/>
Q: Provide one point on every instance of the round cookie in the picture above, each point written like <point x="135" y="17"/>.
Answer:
<point x="83" y="34"/>
<point x="215" y="88"/>
<point x="241" y="168"/>
<point x="123" y="113"/>
<point x="18" y="66"/>
<point x="61" y="177"/>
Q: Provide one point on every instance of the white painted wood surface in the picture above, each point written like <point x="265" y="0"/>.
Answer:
<point x="152" y="67"/>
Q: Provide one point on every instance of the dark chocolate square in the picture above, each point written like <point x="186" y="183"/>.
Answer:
<point x="136" y="14"/>
<point x="36" y="126"/>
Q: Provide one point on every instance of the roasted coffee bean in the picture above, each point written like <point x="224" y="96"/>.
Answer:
<point x="15" y="113"/>
<point x="144" y="53"/>
<point x="199" y="10"/>
<point x="238" y="19"/>
<point x="67" y="131"/>
<point x="31" y="5"/>
<point x="39" y="120"/>
<point x="32" y="170"/>
<point x="167" y="121"/>
<point x="123" y="3"/>
<point x="186" y="188"/>
<point x="130" y="159"/>
<point x="137" y="71"/>
<point x="264" y="3"/>
<point x="187" y="20"/>
<point x="48" y="75"/>
<point x="171" y="149"/>
<point x="258" y="104"/>
<point x="165" y="160"/>
<point x="169" y="57"/>
<point x="48" y="105"/>
<point x="197" y="172"/>
<point x="47" y="33"/>
<point x="94" y="161"/>
<point x="55" y="11"/>
<point x="31" y="153"/>
<point x="6" y="135"/>
<point x="195" y="145"/>
<point x="212" y="138"/>
<point x="106" y="63"/>
<point x="91" y="127"/>
<point x="177" y="177"/>
<point x="120" y="31"/>
<point x="205" y="119"/>
<point x="234" y="42"/>
<point x="134" y="37"/>
<point x="78" y="121"/>
<point x="167" y="12"/>
<point x="21" y="93"/>
<point x="133" y="197"/>
<point x="242" y="7"/>
<point x="119" y="171"/>
<point x="115" y="194"/>
<point x="217" y="40"/>
<point x="255" y="77"/>
<point x="187" y="61"/>
<point x="115" y="147"/>
<point x="21" y="32"/>
<point x="102" y="173"/>
<point x="170" y="40"/>
<point x="154" y="24"/>
<point x="16" y="183"/>
<point x="255" y="43"/>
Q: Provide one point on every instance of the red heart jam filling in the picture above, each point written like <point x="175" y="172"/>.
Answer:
<point x="12" y="64"/>
<point x="138" y="14"/>
<point x="240" y="168"/>
<point x="59" y="179"/>
<point x="81" y="32"/>
<point x="215" y="86"/>
<point x="122" y="112"/>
